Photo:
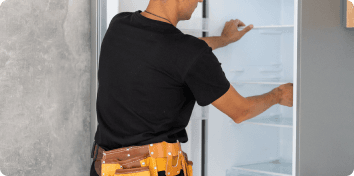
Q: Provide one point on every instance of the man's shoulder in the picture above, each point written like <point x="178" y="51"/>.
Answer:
<point x="193" y="43"/>
<point x="122" y="15"/>
<point x="190" y="48"/>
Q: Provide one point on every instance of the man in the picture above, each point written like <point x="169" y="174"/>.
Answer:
<point x="151" y="75"/>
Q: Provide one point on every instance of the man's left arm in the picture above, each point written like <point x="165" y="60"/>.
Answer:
<point x="215" y="42"/>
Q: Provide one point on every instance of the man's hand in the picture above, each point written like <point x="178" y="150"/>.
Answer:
<point x="286" y="94"/>
<point x="231" y="33"/>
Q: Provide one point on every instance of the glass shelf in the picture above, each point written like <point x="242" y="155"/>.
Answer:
<point x="202" y="25"/>
<point x="274" y="168"/>
<point x="271" y="120"/>
<point x="194" y="25"/>
<point x="275" y="121"/>
<point x="271" y="26"/>
<point x="241" y="82"/>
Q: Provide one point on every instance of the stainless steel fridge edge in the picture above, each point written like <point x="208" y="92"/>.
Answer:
<point x="94" y="57"/>
<point x="296" y="159"/>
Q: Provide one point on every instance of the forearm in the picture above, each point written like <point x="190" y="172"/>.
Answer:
<point x="260" y="103"/>
<point x="215" y="42"/>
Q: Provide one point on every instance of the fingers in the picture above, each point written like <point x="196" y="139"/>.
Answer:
<point x="246" y="29"/>
<point x="230" y="30"/>
<point x="238" y="22"/>
<point x="290" y="84"/>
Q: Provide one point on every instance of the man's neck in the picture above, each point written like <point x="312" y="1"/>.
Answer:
<point x="163" y="11"/>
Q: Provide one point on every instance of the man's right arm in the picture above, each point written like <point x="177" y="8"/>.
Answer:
<point x="239" y="108"/>
<point x="260" y="103"/>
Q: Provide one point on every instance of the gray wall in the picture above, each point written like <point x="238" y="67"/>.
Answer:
<point x="45" y="87"/>
<point x="326" y="107"/>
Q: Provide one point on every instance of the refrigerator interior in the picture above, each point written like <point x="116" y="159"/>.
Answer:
<point x="260" y="61"/>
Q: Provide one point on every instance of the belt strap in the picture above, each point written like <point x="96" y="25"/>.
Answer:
<point x="156" y="150"/>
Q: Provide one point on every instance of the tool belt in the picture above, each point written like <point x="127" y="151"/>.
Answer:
<point x="146" y="160"/>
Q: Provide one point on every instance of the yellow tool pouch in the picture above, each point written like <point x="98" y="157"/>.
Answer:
<point x="146" y="160"/>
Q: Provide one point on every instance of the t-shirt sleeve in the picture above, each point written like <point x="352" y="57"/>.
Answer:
<point x="206" y="79"/>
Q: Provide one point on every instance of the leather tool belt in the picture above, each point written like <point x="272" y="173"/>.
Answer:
<point x="146" y="160"/>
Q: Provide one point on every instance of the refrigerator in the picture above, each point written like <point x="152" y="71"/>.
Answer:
<point x="260" y="61"/>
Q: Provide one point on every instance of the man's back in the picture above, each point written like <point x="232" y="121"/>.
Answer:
<point x="150" y="76"/>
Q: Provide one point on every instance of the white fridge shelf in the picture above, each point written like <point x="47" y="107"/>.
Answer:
<point x="194" y="25"/>
<point x="274" y="168"/>
<point x="271" y="121"/>
<point x="260" y="82"/>
<point x="271" y="26"/>
<point x="199" y="24"/>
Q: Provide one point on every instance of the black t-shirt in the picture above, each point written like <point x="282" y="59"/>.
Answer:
<point x="150" y="76"/>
